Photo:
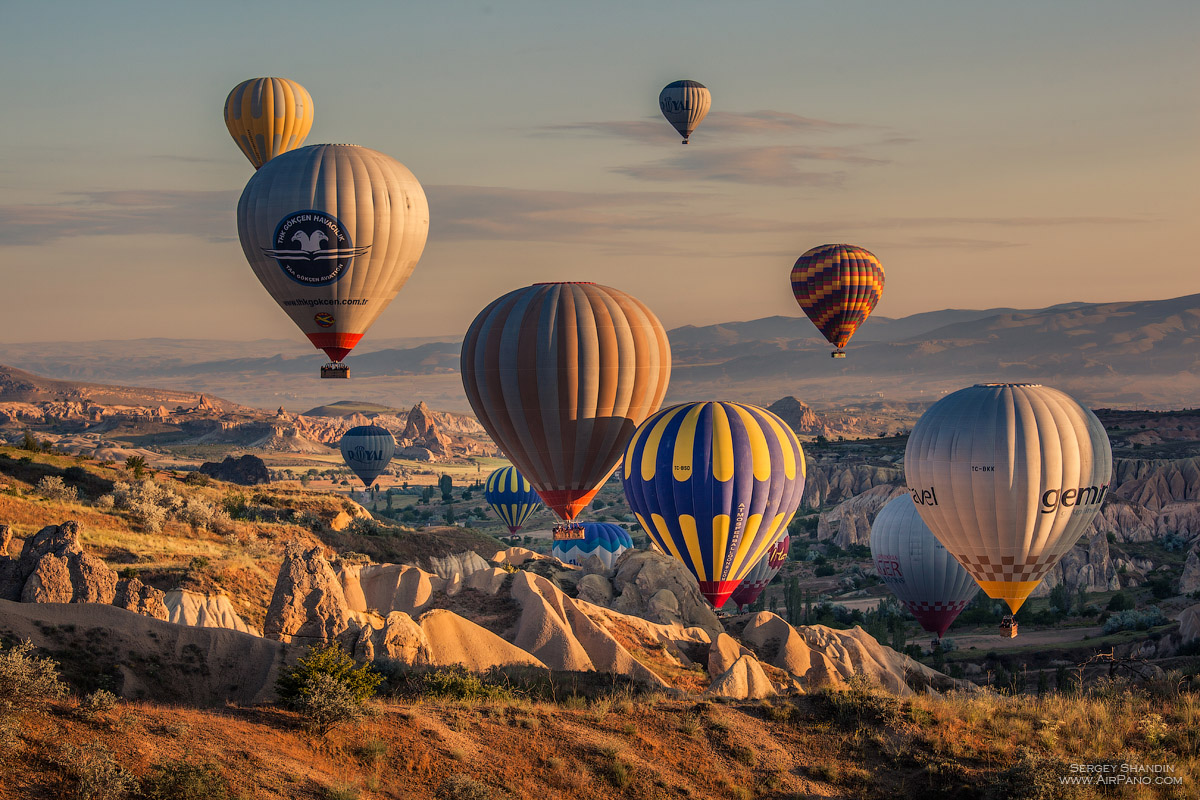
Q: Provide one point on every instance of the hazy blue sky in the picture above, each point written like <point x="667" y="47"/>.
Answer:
<point x="1018" y="153"/>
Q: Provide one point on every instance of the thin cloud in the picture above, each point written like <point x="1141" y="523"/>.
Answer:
<point x="763" y="166"/>
<point x="203" y="215"/>
<point x="498" y="213"/>
<point x="655" y="130"/>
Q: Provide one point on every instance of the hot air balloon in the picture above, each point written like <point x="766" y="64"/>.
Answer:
<point x="604" y="540"/>
<point x="684" y="104"/>
<point x="838" y="286"/>
<point x="560" y="375"/>
<point x="714" y="484"/>
<point x="268" y="116"/>
<point x="917" y="568"/>
<point x="513" y="499"/>
<point x="333" y="231"/>
<point x="367" y="450"/>
<point x="1008" y="476"/>
<point x="763" y="573"/>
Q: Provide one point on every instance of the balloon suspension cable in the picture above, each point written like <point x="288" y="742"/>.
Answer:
<point x="1008" y="626"/>
<point x="335" y="369"/>
<point x="568" y="530"/>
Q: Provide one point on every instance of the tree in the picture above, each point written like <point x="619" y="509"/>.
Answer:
<point x="136" y="466"/>
<point x="449" y="515"/>
<point x="446" y="484"/>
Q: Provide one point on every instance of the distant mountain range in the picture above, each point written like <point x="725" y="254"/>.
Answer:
<point x="1123" y="354"/>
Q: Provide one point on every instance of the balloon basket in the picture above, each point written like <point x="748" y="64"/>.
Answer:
<point x="335" y="369"/>
<point x="838" y="354"/>
<point x="1008" y="627"/>
<point x="568" y="531"/>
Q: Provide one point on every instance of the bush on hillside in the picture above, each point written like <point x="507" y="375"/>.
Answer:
<point x="52" y="487"/>
<point x="328" y="687"/>
<point x="27" y="679"/>
<point x="1135" y="620"/>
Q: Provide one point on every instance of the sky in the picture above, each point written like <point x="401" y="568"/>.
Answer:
<point x="990" y="154"/>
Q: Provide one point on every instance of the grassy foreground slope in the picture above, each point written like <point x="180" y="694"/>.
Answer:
<point x="613" y="743"/>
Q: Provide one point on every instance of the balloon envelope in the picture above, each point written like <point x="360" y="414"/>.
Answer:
<point x="560" y="375"/>
<point x="714" y="484"/>
<point x="604" y="540"/>
<point x="511" y="496"/>
<point x="838" y="286"/>
<point x="268" y="116"/>
<point x="367" y="450"/>
<point x="684" y="104"/>
<point x="917" y="568"/>
<point x="333" y="231"/>
<point x="763" y="573"/>
<point x="1008" y="477"/>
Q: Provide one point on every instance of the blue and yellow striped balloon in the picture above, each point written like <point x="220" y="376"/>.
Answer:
<point x="714" y="484"/>
<point x="511" y="496"/>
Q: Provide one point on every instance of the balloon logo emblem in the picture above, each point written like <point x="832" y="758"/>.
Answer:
<point x="324" y="320"/>
<point x="313" y="248"/>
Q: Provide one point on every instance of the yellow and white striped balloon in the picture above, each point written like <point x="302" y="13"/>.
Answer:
<point x="268" y="116"/>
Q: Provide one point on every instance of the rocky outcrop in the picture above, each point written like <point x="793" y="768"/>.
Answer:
<point x="308" y="604"/>
<point x="54" y="568"/>
<point x="850" y="522"/>
<point x="817" y="656"/>
<point x="246" y="471"/>
<point x="744" y="680"/>
<point x="799" y="417"/>
<point x="658" y="588"/>
<point x="1154" y="483"/>
<point x="205" y="611"/>
<point x="1087" y="565"/>
<point x="828" y="483"/>
<point x="1189" y="582"/>
<point x="1189" y="624"/>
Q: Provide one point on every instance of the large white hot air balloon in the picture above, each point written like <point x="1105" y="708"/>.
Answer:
<point x="921" y="573"/>
<point x="1008" y="476"/>
<point x="367" y="451"/>
<point x="333" y="231"/>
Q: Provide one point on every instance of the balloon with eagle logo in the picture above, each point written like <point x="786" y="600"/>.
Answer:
<point x="921" y="573"/>
<point x="560" y="375"/>
<point x="1008" y="476"/>
<point x="763" y="573"/>
<point x="511" y="497"/>
<point x="268" y="116"/>
<point x="367" y="451"/>
<point x="838" y="286"/>
<point x="333" y="231"/>
<point x="684" y="104"/>
<point x="714" y="484"/>
<point x="604" y="540"/>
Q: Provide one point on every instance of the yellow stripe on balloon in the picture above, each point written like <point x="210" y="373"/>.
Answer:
<point x="723" y="462"/>
<point x="685" y="441"/>
<point x="691" y="537"/>
<point x="663" y="534"/>
<point x="650" y="452"/>
<point x="759" y="452"/>
<point x="790" y="446"/>
<point x="720" y="535"/>
<point x="741" y="564"/>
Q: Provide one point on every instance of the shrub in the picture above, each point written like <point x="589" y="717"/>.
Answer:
<point x="456" y="683"/>
<point x="825" y="570"/>
<point x="52" y="487"/>
<point x="197" y="479"/>
<point x="460" y="787"/>
<point x="1135" y="620"/>
<point x="328" y="687"/>
<point x="861" y="702"/>
<point x="1121" y="601"/>
<point x="105" y="501"/>
<point x="174" y="781"/>
<point x="97" y="703"/>
<point x="327" y="702"/>
<point x="27" y="679"/>
<point x="92" y="773"/>
<point x="366" y="526"/>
